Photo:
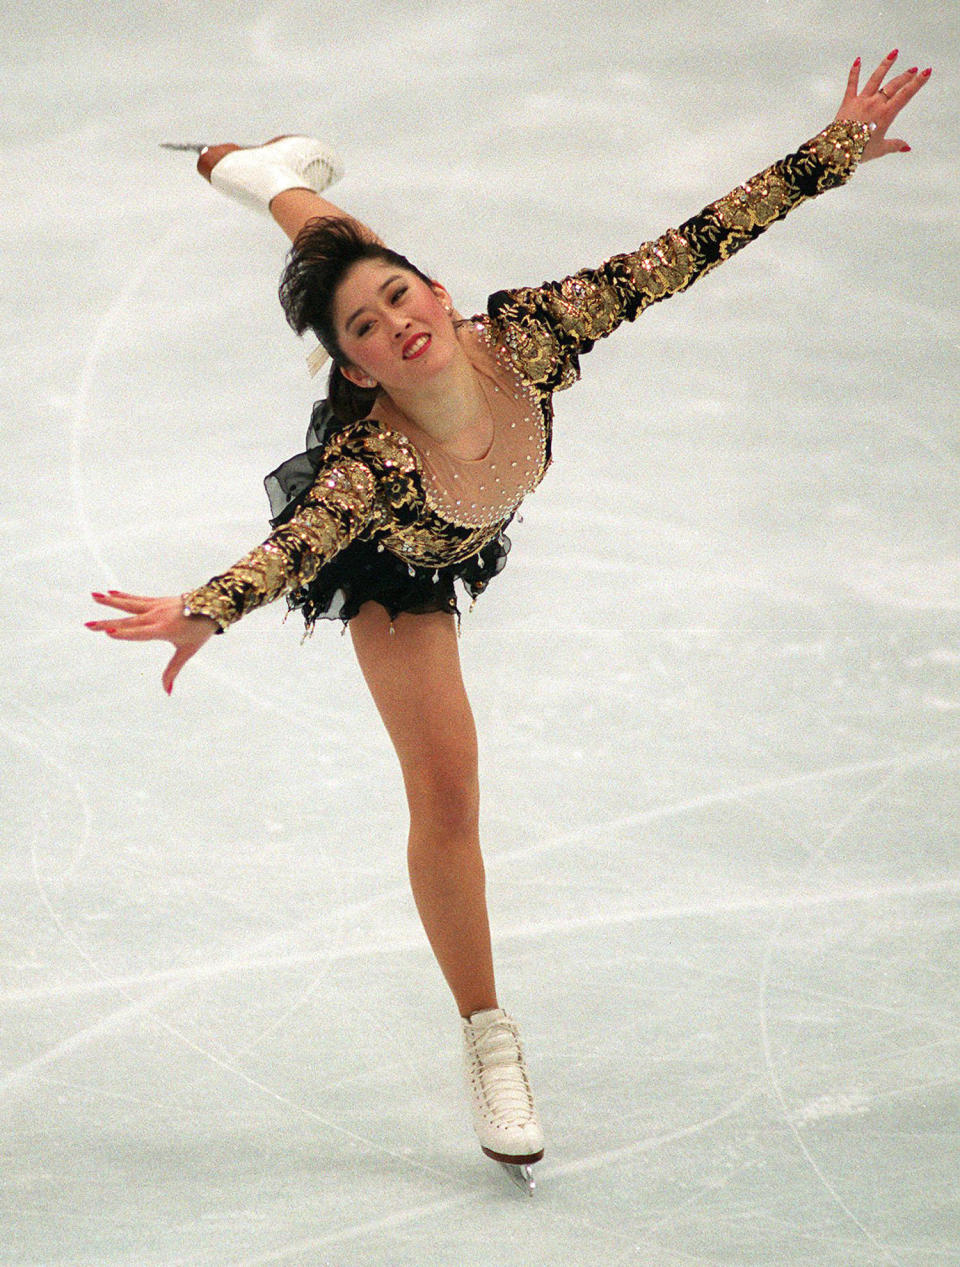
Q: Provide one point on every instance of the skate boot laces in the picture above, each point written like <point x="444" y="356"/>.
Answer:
<point x="497" y="1073"/>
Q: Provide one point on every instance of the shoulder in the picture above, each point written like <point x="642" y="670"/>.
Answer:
<point x="523" y="323"/>
<point x="373" y="445"/>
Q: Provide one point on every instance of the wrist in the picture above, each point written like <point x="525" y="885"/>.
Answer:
<point x="200" y="617"/>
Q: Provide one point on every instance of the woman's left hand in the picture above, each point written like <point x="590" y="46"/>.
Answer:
<point x="879" y="104"/>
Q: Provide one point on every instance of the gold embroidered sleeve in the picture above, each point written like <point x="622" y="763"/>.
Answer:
<point x="338" y="507"/>
<point x="546" y="328"/>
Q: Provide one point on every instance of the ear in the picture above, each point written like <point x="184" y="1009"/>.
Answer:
<point x="357" y="377"/>
<point x="442" y="294"/>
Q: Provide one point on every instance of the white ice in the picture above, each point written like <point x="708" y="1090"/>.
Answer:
<point x="718" y="686"/>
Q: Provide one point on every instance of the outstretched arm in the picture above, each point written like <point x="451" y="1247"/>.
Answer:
<point x="336" y="509"/>
<point x="547" y="327"/>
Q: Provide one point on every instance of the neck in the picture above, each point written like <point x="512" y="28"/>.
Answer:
<point x="448" y="405"/>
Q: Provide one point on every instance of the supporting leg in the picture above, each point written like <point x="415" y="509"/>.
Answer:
<point x="415" y="679"/>
<point x="414" y="676"/>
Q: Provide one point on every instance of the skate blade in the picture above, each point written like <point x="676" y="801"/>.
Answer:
<point x="188" y="147"/>
<point x="522" y="1176"/>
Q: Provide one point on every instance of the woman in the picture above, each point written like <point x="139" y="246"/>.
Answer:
<point x="434" y="430"/>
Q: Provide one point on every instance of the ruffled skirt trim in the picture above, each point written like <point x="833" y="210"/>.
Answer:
<point x="365" y="572"/>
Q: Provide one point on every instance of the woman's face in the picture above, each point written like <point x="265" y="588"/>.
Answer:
<point x="395" y="330"/>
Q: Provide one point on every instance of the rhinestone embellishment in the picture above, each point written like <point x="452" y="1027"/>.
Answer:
<point x="525" y="458"/>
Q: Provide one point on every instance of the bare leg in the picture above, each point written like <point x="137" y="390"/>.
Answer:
<point x="415" y="679"/>
<point x="294" y="207"/>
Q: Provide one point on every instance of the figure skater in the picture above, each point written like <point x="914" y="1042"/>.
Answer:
<point x="433" y="431"/>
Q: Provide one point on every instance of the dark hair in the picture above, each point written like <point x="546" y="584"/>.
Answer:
<point x="324" y="251"/>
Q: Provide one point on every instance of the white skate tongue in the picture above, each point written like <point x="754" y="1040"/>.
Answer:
<point x="481" y="1019"/>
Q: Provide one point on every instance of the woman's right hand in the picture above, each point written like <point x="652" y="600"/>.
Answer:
<point x="155" y="618"/>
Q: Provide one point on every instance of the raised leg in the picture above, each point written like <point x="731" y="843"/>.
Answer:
<point x="287" y="176"/>
<point x="415" y="678"/>
<point x="294" y="207"/>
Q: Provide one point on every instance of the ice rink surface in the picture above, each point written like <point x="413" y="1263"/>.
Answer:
<point x="717" y="687"/>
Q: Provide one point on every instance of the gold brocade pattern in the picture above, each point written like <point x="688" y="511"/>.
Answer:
<point x="547" y="327"/>
<point x="372" y="483"/>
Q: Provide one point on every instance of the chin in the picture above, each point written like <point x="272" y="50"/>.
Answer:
<point x="438" y="356"/>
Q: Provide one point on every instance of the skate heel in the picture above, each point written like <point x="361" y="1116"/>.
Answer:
<point x="211" y="155"/>
<point x="513" y="1159"/>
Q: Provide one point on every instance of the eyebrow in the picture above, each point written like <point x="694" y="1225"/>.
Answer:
<point x="380" y="289"/>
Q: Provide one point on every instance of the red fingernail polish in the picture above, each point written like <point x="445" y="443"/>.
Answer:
<point x="90" y="624"/>
<point x="928" y="72"/>
<point x="111" y="630"/>
<point x="912" y="70"/>
<point x="905" y="149"/>
<point x="891" y="56"/>
<point x="95" y="594"/>
<point x="857" y="62"/>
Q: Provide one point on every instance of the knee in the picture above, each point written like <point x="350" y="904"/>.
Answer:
<point x="446" y="796"/>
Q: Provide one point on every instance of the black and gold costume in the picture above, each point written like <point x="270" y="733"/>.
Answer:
<point x="370" y="514"/>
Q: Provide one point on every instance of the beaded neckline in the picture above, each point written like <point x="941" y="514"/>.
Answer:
<point x="483" y="492"/>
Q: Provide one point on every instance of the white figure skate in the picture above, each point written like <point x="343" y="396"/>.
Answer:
<point x="504" y="1115"/>
<point x="254" y="175"/>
